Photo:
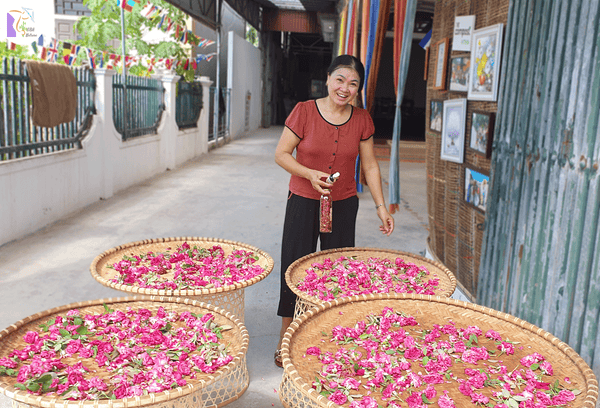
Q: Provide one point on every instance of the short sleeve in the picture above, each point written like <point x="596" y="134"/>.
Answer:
<point x="296" y="121"/>
<point x="369" y="127"/>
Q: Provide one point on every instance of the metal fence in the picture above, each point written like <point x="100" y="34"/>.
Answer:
<point x="224" y="113"/>
<point x="188" y="104"/>
<point x="19" y="137"/>
<point x="137" y="111"/>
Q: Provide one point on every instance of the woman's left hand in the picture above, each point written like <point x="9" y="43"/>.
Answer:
<point x="388" y="221"/>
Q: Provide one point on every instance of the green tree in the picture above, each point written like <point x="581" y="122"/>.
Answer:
<point x="20" y="51"/>
<point x="104" y="25"/>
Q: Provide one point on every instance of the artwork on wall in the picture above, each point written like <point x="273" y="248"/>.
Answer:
<point x="463" y="31"/>
<point x="435" y="116"/>
<point x="486" y="55"/>
<point x="440" y="50"/>
<point x="453" y="130"/>
<point x="459" y="73"/>
<point x="482" y="130"/>
<point x="476" y="188"/>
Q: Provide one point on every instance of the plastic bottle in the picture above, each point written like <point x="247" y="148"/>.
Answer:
<point x="325" y="209"/>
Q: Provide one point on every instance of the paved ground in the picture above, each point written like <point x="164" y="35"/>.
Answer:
<point x="235" y="192"/>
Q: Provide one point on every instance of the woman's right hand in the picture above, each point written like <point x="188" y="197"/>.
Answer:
<point x="317" y="179"/>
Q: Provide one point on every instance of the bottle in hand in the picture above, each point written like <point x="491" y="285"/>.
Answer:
<point x="325" y="215"/>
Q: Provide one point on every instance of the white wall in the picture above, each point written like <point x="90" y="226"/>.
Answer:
<point x="40" y="190"/>
<point x="244" y="74"/>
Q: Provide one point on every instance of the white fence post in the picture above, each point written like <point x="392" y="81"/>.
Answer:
<point x="168" y="128"/>
<point x="110" y="137"/>
<point x="203" y="119"/>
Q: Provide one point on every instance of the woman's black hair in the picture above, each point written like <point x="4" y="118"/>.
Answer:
<point x="349" y="61"/>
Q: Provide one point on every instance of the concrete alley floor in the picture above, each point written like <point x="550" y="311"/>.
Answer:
<point x="234" y="192"/>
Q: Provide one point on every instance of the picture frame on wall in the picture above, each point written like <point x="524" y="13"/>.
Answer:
<point x="486" y="55"/>
<point x="476" y="188"/>
<point x="435" y="115"/>
<point x="459" y="73"/>
<point x="463" y="32"/>
<point x="482" y="132"/>
<point x="454" y="114"/>
<point x="440" y="50"/>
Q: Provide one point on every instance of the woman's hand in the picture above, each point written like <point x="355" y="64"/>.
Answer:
<point x="388" y="221"/>
<point x="316" y="179"/>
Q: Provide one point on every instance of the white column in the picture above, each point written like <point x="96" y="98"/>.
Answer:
<point x="110" y="137"/>
<point x="168" y="128"/>
<point x="203" y="119"/>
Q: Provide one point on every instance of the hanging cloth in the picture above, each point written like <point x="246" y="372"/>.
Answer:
<point x="342" y="38"/>
<point x="380" y="13"/>
<point x="352" y="42"/>
<point x="404" y="22"/>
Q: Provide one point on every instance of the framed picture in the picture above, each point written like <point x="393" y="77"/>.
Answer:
<point x="486" y="55"/>
<point x="482" y="129"/>
<point x="476" y="188"/>
<point x="459" y="73"/>
<point x="426" y="63"/>
<point x="440" y="50"/>
<point x="435" y="116"/>
<point x="463" y="31"/>
<point x="453" y="130"/>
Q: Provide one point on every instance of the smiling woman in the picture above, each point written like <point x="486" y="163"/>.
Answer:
<point x="327" y="134"/>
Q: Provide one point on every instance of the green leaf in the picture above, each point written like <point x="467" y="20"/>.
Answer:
<point x="534" y="366"/>
<point x="33" y="386"/>
<point x="64" y="333"/>
<point x="425" y="400"/>
<point x="82" y="330"/>
<point x="20" y="386"/>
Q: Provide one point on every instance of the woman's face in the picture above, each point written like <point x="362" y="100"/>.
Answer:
<point x="342" y="85"/>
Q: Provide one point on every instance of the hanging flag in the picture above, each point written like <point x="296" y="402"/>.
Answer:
<point x="44" y="54"/>
<point x="34" y="48"/>
<point x="177" y="31"/>
<point x="194" y="64"/>
<point x="91" y="58"/>
<point x="41" y="40"/>
<point x="66" y="52"/>
<point x="209" y="42"/>
<point x="184" y="37"/>
<point x="150" y="11"/>
<point x="11" y="45"/>
<point x="162" y="20"/>
<point x="186" y="64"/>
<point x="126" y="5"/>
<point x="426" y="40"/>
<point x="52" y="53"/>
<point x="168" y="63"/>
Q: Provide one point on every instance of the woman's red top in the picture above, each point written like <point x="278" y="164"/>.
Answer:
<point x="328" y="147"/>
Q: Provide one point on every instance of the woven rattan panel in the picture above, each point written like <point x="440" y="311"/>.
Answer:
<point x="207" y="390"/>
<point x="306" y="331"/>
<point x="456" y="228"/>
<point x="297" y="271"/>
<point x="230" y="298"/>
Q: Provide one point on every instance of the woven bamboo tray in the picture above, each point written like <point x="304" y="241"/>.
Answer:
<point x="306" y="331"/>
<point x="207" y="390"/>
<point x="230" y="297"/>
<point x="297" y="271"/>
